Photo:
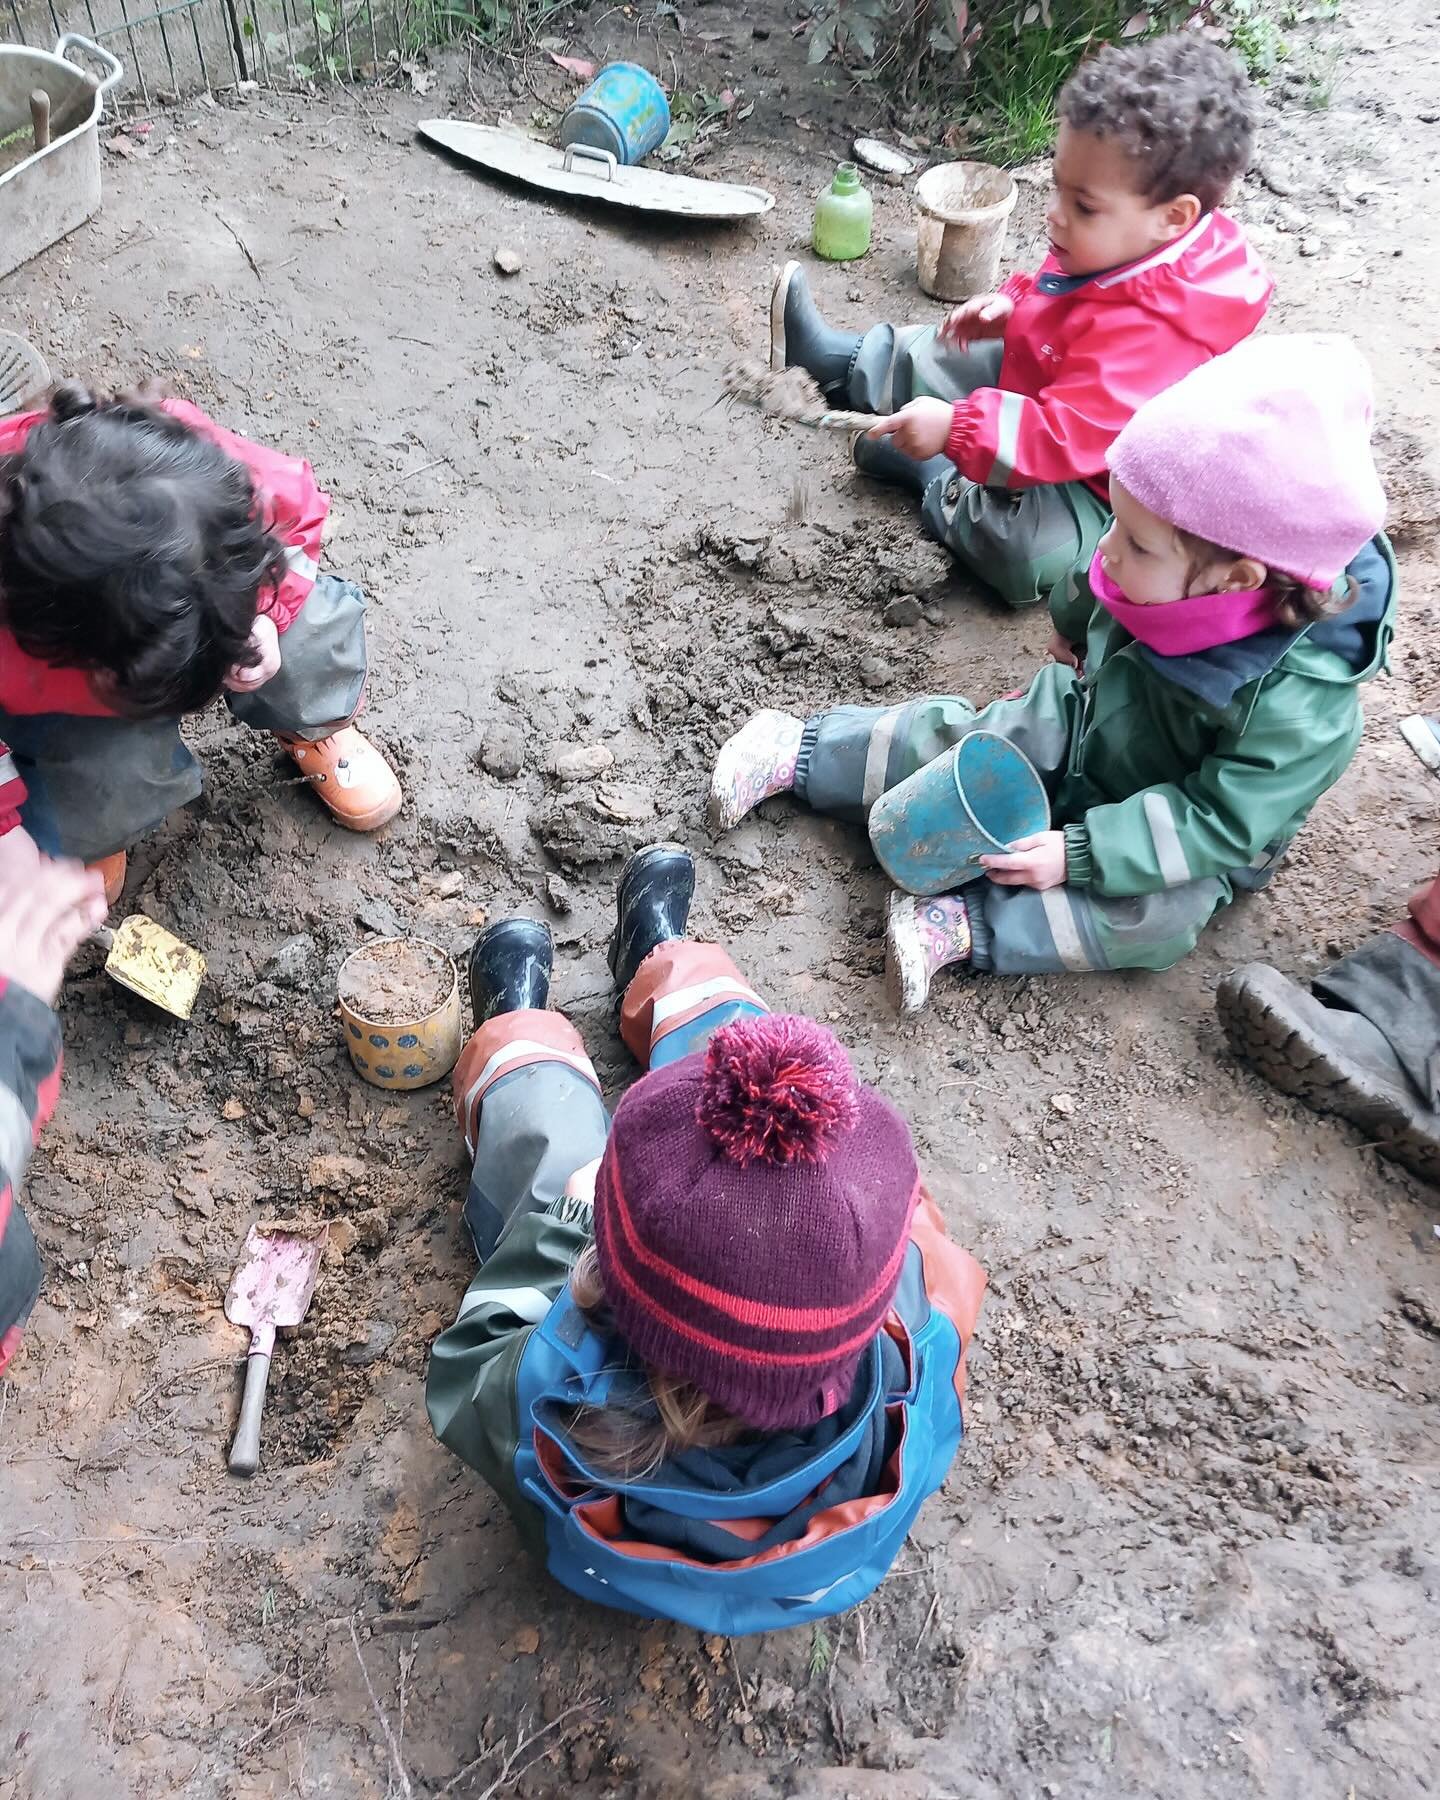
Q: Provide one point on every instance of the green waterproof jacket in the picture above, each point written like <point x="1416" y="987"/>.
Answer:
<point x="1182" y="767"/>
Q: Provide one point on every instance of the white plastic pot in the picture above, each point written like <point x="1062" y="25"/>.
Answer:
<point x="52" y="191"/>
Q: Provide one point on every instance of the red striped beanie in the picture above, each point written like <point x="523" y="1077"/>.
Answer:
<point x="752" y="1213"/>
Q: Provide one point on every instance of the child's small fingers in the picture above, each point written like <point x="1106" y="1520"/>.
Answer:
<point x="885" y="427"/>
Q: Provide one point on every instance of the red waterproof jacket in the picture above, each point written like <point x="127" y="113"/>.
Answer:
<point x="295" y="509"/>
<point x="1083" y="354"/>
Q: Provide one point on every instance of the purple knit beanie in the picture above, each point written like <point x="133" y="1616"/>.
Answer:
<point x="1264" y="451"/>
<point x="752" y="1211"/>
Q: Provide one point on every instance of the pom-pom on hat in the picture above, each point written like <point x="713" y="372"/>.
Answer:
<point x="1264" y="451"/>
<point x="752" y="1212"/>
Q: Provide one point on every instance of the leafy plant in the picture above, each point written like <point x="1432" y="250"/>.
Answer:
<point x="1010" y="58"/>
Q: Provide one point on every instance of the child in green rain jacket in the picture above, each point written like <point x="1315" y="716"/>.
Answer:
<point x="1203" y="697"/>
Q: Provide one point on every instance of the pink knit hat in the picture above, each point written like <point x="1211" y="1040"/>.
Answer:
<point x="1266" y="452"/>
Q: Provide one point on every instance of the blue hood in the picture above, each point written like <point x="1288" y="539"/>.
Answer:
<point x="1355" y="635"/>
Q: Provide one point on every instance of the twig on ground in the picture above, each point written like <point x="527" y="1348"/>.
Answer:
<point x="410" y="474"/>
<point x="512" y="1768"/>
<point x="934" y="1608"/>
<point x="407" y="1663"/>
<point x="244" y="248"/>
<point x="169" y="1381"/>
<point x="390" y="1744"/>
<point x="739" y="1679"/>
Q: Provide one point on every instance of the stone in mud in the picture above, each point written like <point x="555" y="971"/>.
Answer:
<point x="904" y="609"/>
<point x="337" y="1174"/>
<point x="502" y="751"/>
<point x="624" y="804"/>
<point x="875" y="672"/>
<point x="557" y="894"/>
<point x="572" y="829"/>
<point x="583" y="764"/>
<point x="293" y="963"/>
<point x="507" y="261"/>
<point x="380" y="917"/>
<point x="378" y="1337"/>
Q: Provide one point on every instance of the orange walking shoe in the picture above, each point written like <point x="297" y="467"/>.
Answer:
<point x="349" y="775"/>
<point x="112" y="868"/>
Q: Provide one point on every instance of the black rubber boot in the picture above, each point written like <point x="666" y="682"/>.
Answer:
<point x="878" y="458"/>
<point x="510" y="968"/>
<point x="652" y="905"/>
<point x="798" y="335"/>
<point x="1334" y="1061"/>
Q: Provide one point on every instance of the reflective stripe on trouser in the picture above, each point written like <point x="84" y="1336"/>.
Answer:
<point x="1020" y="541"/>
<point x="528" y="1100"/>
<point x="1016" y="931"/>
<point x="681" y="995"/>
<point x="852" y="754"/>
<point x="527" y="1096"/>
<point x="95" y="785"/>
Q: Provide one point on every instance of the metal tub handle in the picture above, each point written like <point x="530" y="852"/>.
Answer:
<point x="72" y="40"/>
<point x="587" y="153"/>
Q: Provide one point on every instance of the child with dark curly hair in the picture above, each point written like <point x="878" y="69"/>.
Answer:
<point x="149" y="561"/>
<point x="999" y="421"/>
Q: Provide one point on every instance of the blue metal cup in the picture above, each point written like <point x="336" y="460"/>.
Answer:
<point x="623" y="111"/>
<point x="930" y="830"/>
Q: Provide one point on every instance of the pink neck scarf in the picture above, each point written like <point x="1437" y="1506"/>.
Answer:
<point x="1183" y="627"/>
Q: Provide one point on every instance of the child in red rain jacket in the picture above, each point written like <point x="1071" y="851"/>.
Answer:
<point x="148" y="561"/>
<point x="1000" y="420"/>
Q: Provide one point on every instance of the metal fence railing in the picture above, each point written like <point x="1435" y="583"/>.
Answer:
<point x="183" y="47"/>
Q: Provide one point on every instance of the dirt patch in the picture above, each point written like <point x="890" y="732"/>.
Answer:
<point x="1188" y="1546"/>
<point x="395" y="982"/>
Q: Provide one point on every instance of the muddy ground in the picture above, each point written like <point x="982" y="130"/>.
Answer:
<point x="1189" y="1548"/>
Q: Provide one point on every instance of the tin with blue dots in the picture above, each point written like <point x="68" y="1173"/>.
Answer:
<point x="400" y="1012"/>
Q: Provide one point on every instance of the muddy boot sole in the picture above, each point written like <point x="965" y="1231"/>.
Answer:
<point x="1264" y="1020"/>
<point x="24" y="372"/>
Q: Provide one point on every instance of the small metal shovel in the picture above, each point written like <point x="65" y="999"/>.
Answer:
<point x="272" y="1285"/>
<point x="154" y="963"/>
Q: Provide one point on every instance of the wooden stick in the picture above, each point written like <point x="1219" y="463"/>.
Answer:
<point x="40" y="118"/>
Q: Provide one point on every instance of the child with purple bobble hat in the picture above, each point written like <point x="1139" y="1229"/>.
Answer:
<point x="714" y="1355"/>
<point x="1202" y="697"/>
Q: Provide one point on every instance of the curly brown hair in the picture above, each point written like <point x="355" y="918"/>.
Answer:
<point x="1180" y="107"/>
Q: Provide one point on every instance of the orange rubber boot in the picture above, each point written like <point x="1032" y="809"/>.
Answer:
<point x="113" y="870"/>
<point x="349" y="775"/>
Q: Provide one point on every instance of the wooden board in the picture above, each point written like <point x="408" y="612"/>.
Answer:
<point x="593" y="174"/>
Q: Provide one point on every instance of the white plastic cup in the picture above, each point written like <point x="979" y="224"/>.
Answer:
<point x="964" y="209"/>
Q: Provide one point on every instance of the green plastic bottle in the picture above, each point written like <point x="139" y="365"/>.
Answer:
<point x="844" y="214"/>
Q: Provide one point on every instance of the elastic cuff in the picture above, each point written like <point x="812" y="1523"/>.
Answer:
<point x="957" y="445"/>
<point x="1079" y="857"/>
<point x="809" y="738"/>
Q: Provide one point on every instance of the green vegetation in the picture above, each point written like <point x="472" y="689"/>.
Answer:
<point x="1006" y="60"/>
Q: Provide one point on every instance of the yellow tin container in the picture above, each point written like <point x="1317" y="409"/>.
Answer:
<point x="400" y="1010"/>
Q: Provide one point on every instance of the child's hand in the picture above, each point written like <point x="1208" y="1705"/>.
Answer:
<point x="262" y="659"/>
<point x="45" y="916"/>
<point x="921" y="429"/>
<point x="986" y="316"/>
<point x="1061" y="650"/>
<point x="1034" y="862"/>
<point x="19" y="856"/>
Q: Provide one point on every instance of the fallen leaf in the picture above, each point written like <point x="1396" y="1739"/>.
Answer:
<point x="526" y="1641"/>
<point x="574" y="65"/>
